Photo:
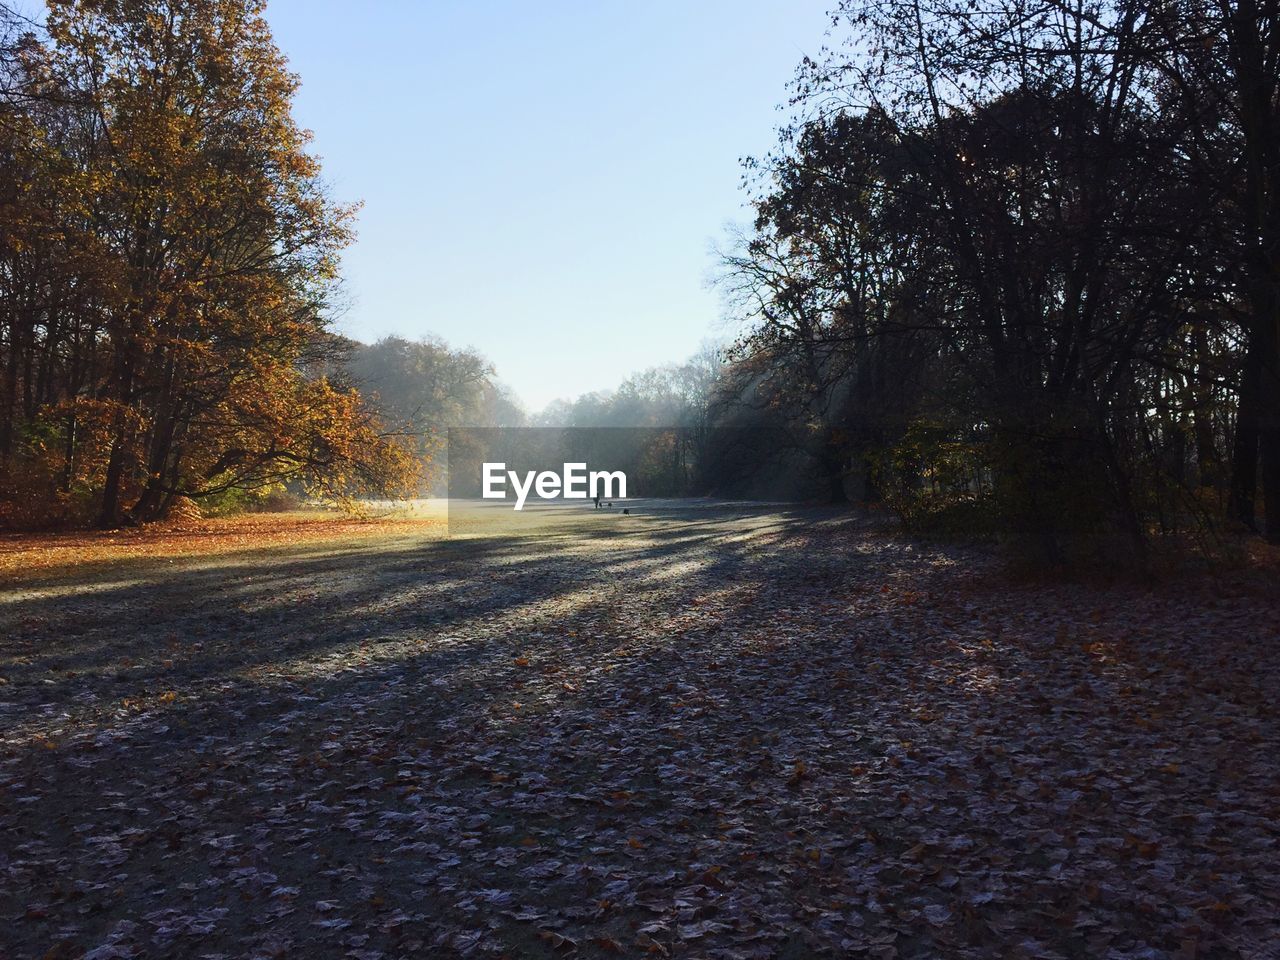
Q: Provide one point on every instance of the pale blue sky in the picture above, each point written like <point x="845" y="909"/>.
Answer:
<point x="542" y="181"/>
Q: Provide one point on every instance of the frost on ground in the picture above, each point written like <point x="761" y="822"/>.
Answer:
<point x="717" y="733"/>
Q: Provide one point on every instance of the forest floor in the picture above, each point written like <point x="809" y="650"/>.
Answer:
<point x="716" y="732"/>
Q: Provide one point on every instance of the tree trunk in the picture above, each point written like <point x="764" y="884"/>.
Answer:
<point x="1269" y="420"/>
<point x="833" y="471"/>
<point x="1259" y="427"/>
<point x="1208" y="468"/>
<point x="1244" y="457"/>
<point x="150" y="504"/>
<point x="69" y="453"/>
<point x="10" y="398"/>
<point x="109" y="516"/>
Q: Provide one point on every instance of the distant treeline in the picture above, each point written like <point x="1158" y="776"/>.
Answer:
<point x="167" y="255"/>
<point x="421" y="388"/>
<point x="710" y="431"/>
<point x="1016" y="268"/>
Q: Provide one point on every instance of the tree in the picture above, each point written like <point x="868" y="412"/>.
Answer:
<point x="167" y="283"/>
<point x="1220" y="62"/>
<point x="424" y="387"/>
<point x="998" y="207"/>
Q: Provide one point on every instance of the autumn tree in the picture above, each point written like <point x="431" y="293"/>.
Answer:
<point x="167" y="344"/>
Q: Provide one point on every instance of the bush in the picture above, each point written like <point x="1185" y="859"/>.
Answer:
<point x="936" y="484"/>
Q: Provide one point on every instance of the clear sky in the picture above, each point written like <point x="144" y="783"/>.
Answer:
<point x="542" y="180"/>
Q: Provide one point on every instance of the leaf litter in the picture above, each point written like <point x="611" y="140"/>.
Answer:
<point x="745" y="734"/>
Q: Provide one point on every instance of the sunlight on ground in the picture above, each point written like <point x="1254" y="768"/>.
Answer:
<point x="25" y="554"/>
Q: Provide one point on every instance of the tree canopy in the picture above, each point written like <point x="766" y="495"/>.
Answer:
<point x="1018" y="264"/>
<point x="167" y="256"/>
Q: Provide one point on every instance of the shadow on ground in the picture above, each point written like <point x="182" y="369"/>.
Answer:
<point x="736" y="732"/>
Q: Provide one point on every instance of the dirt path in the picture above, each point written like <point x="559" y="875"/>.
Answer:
<point x="730" y="732"/>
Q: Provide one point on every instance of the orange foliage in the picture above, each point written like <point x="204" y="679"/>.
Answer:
<point x="166" y="264"/>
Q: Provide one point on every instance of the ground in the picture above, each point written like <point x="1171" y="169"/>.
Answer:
<point x="717" y="731"/>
